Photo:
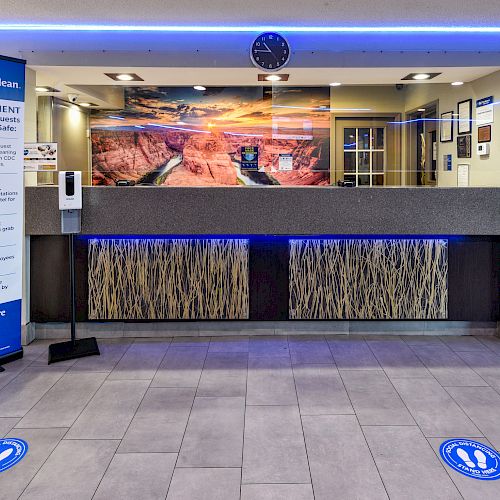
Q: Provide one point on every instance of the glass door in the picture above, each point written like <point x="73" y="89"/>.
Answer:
<point x="366" y="152"/>
<point x="364" y="155"/>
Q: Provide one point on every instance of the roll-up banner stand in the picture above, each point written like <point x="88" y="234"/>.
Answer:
<point x="11" y="205"/>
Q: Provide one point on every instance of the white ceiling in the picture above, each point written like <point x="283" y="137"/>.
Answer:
<point x="225" y="12"/>
<point x="85" y="75"/>
<point x="91" y="84"/>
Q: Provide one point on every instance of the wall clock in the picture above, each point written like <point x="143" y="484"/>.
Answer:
<point x="270" y="51"/>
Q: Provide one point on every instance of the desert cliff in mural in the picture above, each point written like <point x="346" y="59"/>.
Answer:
<point x="153" y="143"/>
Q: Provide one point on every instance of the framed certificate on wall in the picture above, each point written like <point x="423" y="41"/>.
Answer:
<point x="464" y="117"/>
<point x="446" y="129"/>
<point x="484" y="133"/>
<point x="464" y="146"/>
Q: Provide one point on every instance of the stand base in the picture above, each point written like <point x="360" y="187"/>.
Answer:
<point x="11" y="357"/>
<point x="80" y="348"/>
<point x="2" y="369"/>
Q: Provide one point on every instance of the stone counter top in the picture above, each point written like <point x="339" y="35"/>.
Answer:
<point x="272" y="210"/>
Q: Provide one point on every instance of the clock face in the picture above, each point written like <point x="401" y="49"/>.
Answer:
<point x="270" y="51"/>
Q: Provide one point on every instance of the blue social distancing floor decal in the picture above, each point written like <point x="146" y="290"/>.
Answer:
<point x="12" y="451"/>
<point x="471" y="458"/>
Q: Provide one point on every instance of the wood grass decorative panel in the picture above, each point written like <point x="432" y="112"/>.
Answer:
<point x="168" y="279"/>
<point x="368" y="279"/>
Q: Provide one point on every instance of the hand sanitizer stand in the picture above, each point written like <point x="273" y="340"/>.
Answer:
<point x="70" y="205"/>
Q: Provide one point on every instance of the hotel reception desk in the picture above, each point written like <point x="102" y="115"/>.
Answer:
<point x="269" y="253"/>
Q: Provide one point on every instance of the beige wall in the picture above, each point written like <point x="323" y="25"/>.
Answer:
<point x="68" y="125"/>
<point x="483" y="171"/>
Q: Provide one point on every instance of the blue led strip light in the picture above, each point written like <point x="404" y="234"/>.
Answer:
<point x="248" y="29"/>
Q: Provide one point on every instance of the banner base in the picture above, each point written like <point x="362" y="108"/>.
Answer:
<point x="11" y="357"/>
<point x="80" y="348"/>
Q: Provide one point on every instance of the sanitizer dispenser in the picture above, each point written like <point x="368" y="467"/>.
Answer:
<point x="70" y="190"/>
<point x="70" y="201"/>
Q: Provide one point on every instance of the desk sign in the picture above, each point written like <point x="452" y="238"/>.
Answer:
<point x="11" y="205"/>
<point x="485" y="111"/>
<point x="249" y="158"/>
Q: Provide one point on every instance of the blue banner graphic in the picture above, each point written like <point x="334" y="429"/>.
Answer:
<point x="11" y="203"/>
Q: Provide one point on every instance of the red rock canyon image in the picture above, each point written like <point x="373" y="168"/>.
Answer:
<point x="178" y="136"/>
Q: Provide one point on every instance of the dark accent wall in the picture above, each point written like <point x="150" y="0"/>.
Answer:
<point x="473" y="279"/>
<point x="268" y="279"/>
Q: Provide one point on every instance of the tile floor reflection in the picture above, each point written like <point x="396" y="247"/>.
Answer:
<point x="253" y="418"/>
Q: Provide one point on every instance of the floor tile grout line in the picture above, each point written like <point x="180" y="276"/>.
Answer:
<point x="439" y="462"/>
<point x="396" y="391"/>
<point x="474" y="369"/>
<point x="39" y="399"/>
<point x="425" y="378"/>
<point x="417" y="424"/>
<point x="244" y="422"/>
<point x="479" y="338"/>
<point x="300" y="418"/>
<point x="368" y="347"/>
<point x="459" y="357"/>
<point x="135" y="412"/>
<point x="364" y="436"/>
<point x="106" y="379"/>
<point x="447" y="469"/>
<point x="44" y="462"/>
<point x="465" y="411"/>
<point x="187" y="422"/>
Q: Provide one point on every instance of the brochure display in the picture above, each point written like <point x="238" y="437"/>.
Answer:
<point x="11" y="205"/>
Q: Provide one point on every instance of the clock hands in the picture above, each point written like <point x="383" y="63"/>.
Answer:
<point x="269" y="50"/>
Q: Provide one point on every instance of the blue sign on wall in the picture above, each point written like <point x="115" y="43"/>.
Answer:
<point x="249" y="158"/>
<point x="12" y="451"/>
<point x="471" y="458"/>
<point x="11" y="204"/>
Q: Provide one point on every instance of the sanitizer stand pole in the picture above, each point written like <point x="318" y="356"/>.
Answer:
<point x="73" y="286"/>
<point x="62" y="351"/>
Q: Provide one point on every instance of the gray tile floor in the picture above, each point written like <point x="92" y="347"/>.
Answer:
<point x="257" y="418"/>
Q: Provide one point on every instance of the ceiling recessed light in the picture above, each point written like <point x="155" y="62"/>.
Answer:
<point x="457" y="84"/>
<point x="335" y="84"/>
<point x="265" y="77"/>
<point x="46" y="88"/>
<point x="199" y="87"/>
<point x="87" y="104"/>
<point x="421" y="110"/>
<point x="124" y="77"/>
<point x="419" y="77"/>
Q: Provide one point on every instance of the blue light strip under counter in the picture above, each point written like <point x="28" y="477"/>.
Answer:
<point x="269" y="237"/>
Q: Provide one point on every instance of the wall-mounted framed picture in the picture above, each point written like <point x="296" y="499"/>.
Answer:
<point x="446" y="129"/>
<point x="484" y="133"/>
<point x="464" y="146"/>
<point x="464" y="117"/>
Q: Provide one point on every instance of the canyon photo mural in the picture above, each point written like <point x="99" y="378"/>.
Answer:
<point x="178" y="136"/>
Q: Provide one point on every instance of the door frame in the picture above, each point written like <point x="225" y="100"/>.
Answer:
<point x="334" y="173"/>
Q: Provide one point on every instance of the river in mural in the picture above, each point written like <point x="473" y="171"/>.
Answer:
<point x="178" y="136"/>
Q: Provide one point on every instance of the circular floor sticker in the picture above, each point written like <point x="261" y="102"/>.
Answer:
<point x="12" y="451"/>
<point x="471" y="458"/>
